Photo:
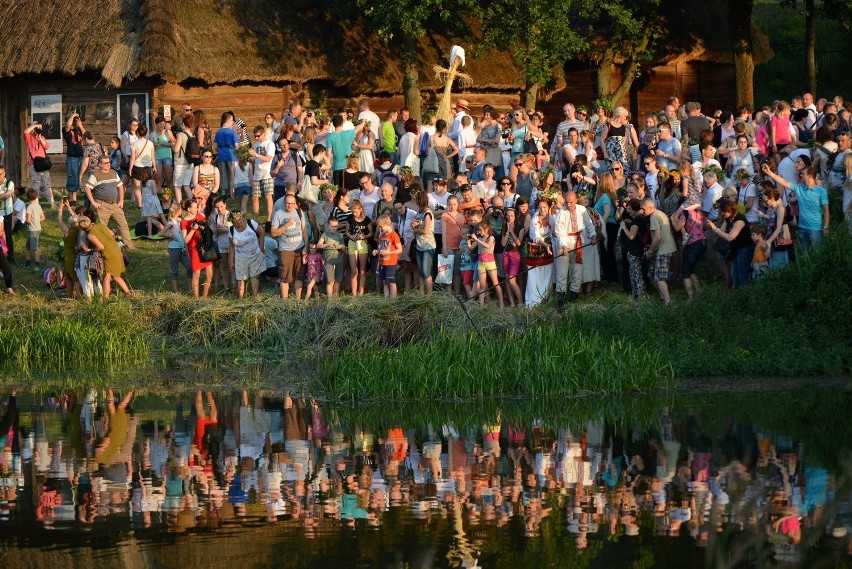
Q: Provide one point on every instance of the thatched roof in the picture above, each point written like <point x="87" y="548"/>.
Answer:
<point x="229" y="41"/>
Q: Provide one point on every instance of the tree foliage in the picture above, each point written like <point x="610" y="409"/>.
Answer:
<point x="541" y="36"/>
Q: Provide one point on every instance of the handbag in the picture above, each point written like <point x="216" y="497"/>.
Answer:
<point x="445" y="270"/>
<point x="430" y="164"/>
<point x="42" y="164"/>
<point x="722" y="247"/>
<point x="785" y="239"/>
<point x="309" y="192"/>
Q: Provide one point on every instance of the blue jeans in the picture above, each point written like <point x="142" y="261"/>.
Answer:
<point x="741" y="266"/>
<point x="809" y="238"/>
<point x="72" y="166"/>
<point x="779" y="260"/>
<point x="425" y="261"/>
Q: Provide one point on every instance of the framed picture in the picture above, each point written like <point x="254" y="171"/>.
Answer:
<point x="104" y="111"/>
<point x="132" y="106"/>
<point x="47" y="109"/>
<point x="79" y="109"/>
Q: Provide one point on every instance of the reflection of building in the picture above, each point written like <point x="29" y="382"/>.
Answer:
<point x="251" y="72"/>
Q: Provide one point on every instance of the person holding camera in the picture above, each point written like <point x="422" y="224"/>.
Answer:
<point x="73" y="136"/>
<point x="37" y="146"/>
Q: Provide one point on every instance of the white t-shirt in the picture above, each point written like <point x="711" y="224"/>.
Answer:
<point x="438" y="204"/>
<point x="711" y="196"/>
<point x="369" y="201"/>
<point x="262" y="169"/>
<point x="744" y="194"/>
<point x="375" y="121"/>
<point x="241" y="177"/>
<point x="292" y="239"/>
<point x="21" y="210"/>
<point x="245" y="242"/>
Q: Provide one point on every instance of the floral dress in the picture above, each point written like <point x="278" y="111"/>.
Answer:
<point x="616" y="145"/>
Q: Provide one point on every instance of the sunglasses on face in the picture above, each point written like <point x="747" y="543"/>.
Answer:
<point x="208" y="156"/>
<point x="616" y="169"/>
<point x="257" y="136"/>
<point x="518" y="164"/>
<point x="506" y="184"/>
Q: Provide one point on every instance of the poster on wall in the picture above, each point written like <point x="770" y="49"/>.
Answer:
<point x="104" y="111"/>
<point x="132" y="106"/>
<point x="47" y="109"/>
<point x="79" y="109"/>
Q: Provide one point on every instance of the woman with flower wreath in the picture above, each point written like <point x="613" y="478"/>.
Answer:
<point x="539" y="255"/>
<point x="547" y="186"/>
<point x="364" y="144"/>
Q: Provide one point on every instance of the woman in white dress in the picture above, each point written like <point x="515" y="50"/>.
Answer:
<point x="539" y="255"/>
<point x="364" y="144"/>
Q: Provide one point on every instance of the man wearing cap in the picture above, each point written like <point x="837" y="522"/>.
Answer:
<point x="460" y="109"/>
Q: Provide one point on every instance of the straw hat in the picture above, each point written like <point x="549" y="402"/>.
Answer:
<point x="463" y="104"/>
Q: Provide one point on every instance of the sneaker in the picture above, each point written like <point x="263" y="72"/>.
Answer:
<point x="37" y="267"/>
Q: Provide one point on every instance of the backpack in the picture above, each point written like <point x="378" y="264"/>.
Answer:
<point x="827" y="164"/>
<point x="388" y="176"/>
<point x="206" y="247"/>
<point x="252" y="225"/>
<point x="192" y="150"/>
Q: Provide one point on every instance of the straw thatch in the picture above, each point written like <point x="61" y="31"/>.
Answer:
<point x="270" y="41"/>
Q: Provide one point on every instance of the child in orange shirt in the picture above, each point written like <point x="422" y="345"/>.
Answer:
<point x="390" y="246"/>
<point x="760" y="259"/>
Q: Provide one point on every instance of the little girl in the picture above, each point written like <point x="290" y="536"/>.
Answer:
<point x="467" y="262"/>
<point x="315" y="272"/>
<point x="115" y="156"/>
<point x="513" y="237"/>
<point x="152" y="211"/>
<point x="484" y="241"/>
<point x="359" y="233"/>
<point x="177" y="247"/>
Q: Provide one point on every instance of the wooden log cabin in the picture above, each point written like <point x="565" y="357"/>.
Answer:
<point x="257" y="56"/>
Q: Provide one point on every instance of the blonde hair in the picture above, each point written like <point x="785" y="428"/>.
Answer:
<point x="384" y="220"/>
<point x="353" y="162"/>
<point x="174" y="210"/>
<point x="619" y="112"/>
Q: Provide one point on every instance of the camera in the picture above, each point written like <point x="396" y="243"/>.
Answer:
<point x="37" y="131"/>
<point x="310" y="113"/>
<point x="506" y="133"/>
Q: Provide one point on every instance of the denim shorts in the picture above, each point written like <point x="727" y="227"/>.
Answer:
<point x="241" y="191"/>
<point x="164" y="163"/>
<point x="32" y="240"/>
<point x="425" y="261"/>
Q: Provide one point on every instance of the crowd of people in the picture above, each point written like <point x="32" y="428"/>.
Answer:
<point x="487" y="206"/>
<point x="235" y="456"/>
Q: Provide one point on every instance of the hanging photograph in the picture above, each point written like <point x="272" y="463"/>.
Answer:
<point x="79" y="109"/>
<point x="47" y="109"/>
<point x="104" y="111"/>
<point x="132" y="106"/>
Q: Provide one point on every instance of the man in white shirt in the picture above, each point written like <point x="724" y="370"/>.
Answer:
<point x="707" y="161"/>
<point x="461" y="108"/>
<point x="375" y="122"/>
<point x="808" y="102"/>
<point x="711" y="195"/>
<point x="572" y="227"/>
<point x="467" y="142"/>
<point x="438" y="204"/>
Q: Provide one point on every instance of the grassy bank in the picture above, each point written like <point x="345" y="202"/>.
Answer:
<point x="794" y="323"/>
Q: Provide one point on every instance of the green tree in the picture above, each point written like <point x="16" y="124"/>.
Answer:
<point x="401" y="23"/>
<point x="628" y="34"/>
<point x="739" y="18"/>
<point x="543" y="35"/>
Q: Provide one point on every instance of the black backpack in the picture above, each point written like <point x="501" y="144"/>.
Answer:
<point x="206" y="247"/>
<point x="388" y="176"/>
<point x="192" y="150"/>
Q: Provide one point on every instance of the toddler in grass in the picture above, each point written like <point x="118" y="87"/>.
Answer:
<point x="315" y="272"/>
<point x="35" y="216"/>
<point x="332" y="247"/>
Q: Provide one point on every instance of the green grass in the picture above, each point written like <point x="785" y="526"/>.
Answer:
<point x="796" y="322"/>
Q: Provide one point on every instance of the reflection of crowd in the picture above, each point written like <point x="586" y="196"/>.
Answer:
<point x="233" y="456"/>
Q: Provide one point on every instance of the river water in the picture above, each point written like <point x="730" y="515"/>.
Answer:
<point x="93" y="477"/>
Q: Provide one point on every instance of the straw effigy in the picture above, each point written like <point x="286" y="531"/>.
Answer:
<point x="449" y="76"/>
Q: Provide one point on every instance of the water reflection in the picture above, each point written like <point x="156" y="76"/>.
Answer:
<point x="679" y="486"/>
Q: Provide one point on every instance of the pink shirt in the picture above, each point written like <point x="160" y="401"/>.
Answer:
<point x="781" y="128"/>
<point x="36" y="146"/>
<point x="452" y="222"/>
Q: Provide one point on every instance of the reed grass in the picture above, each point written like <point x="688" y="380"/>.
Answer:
<point x="545" y="361"/>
